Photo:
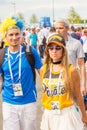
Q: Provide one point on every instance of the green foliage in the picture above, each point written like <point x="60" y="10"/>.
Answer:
<point x="0" y="21"/>
<point x="73" y="16"/>
<point x="83" y="21"/>
<point x="33" y="19"/>
<point x="21" y="16"/>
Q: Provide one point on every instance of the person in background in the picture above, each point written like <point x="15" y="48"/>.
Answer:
<point x="39" y="38"/>
<point x="79" y="32"/>
<point x="52" y="30"/>
<point x="19" y="94"/>
<point x="75" y="51"/>
<point x="83" y="41"/>
<point x="73" y="33"/>
<point x="33" y="38"/>
<point x="60" y="85"/>
<point x="44" y="32"/>
<point x="27" y="32"/>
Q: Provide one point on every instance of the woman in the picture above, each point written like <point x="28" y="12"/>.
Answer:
<point x="60" y="87"/>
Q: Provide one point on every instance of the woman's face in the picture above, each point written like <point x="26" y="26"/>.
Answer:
<point x="55" y="52"/>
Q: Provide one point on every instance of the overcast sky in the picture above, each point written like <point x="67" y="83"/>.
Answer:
<point x="42" y="8"/>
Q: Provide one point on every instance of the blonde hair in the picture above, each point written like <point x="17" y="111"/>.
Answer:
<point x="64" y="21"/>
<point x="66" y="74"/>
<point x="11" y="23"/>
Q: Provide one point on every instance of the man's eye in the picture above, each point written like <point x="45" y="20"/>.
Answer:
<point x="17" y="34"/>
<point x="10" y="34"/>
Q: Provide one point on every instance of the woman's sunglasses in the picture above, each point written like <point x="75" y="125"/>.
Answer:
<point x="56" y="48"/>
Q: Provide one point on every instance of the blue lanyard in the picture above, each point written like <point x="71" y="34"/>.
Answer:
<point x="10" y="69"/>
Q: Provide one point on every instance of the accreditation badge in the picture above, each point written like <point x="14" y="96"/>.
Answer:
<point x="17" y="89"/>
<point x="55" y="106"/>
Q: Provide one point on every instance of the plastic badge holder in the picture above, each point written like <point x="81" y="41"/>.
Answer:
<point x="85" y="101"/>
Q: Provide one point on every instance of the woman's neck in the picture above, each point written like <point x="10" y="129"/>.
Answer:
<point x="57" y="67"/>
<point x="56" y="62"/>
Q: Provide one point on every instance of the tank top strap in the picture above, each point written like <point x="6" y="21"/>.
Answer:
<point x="44" y="71"/>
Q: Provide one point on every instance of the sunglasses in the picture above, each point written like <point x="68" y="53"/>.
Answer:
<point x="56" y="48"/>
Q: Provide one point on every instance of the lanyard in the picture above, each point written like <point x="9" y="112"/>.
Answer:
<point x="50" y="77"/>
<point x="10" y="69"/>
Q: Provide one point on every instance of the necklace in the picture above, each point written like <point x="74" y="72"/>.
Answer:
<point x="58" y="62"/>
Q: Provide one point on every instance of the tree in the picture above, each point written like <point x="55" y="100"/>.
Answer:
<point x="73" y="16"/>
<point x="21" y="16"/>
<point x="0" y="21"/>
<point x="84" y="21"/>
<point x="33" y="19"/>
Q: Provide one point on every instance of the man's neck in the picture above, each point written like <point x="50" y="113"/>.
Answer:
<point x="66" y="38"/>
<point x="14" y="48"/>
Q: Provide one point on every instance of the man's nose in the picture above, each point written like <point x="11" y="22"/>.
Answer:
<point x="16" y="36"/>
<point x="57" y="30"/>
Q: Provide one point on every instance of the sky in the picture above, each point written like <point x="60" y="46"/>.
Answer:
<point x="41" y="8"/>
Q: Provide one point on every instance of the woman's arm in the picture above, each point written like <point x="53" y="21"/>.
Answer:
<point x="77" y="93"/>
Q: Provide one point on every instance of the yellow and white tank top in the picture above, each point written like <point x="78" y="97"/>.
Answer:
<point x="53" y="90"/>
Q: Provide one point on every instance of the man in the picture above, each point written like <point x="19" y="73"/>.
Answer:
<point x="33" y="38"/>
<point x="75" y="50"/>
<point x="83" y="41"/>
<point x="73" y="33"/>
<point x="19" y="90"/>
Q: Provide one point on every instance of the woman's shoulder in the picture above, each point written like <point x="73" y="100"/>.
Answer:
<point x="43" y="70"/>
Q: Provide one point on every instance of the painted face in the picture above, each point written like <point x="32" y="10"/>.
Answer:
<point x="13" y="37"/>
<point x="61" y="29"/>
<point x="55" y="52"/>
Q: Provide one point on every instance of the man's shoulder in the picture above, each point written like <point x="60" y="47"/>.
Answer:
<point x="73" y="40"/>
<point x="74" y="35"/>
<point x="83" y="37"/>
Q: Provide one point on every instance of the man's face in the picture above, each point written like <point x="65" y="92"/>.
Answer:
<point x="61" y="29"/>
<point x="13" y="37"/>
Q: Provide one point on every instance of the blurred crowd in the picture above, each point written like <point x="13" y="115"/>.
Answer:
<point x="37" y="37"/>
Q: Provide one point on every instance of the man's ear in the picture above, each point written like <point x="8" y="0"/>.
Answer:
<point x="67" y="28"/>
<point x="5" y="35"/>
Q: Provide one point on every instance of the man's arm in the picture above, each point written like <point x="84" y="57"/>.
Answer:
<point x="81" y="64"/>
<point x="1" y="82"/>
<point x="40" y="70"/>
<point x="77" y="94"/>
